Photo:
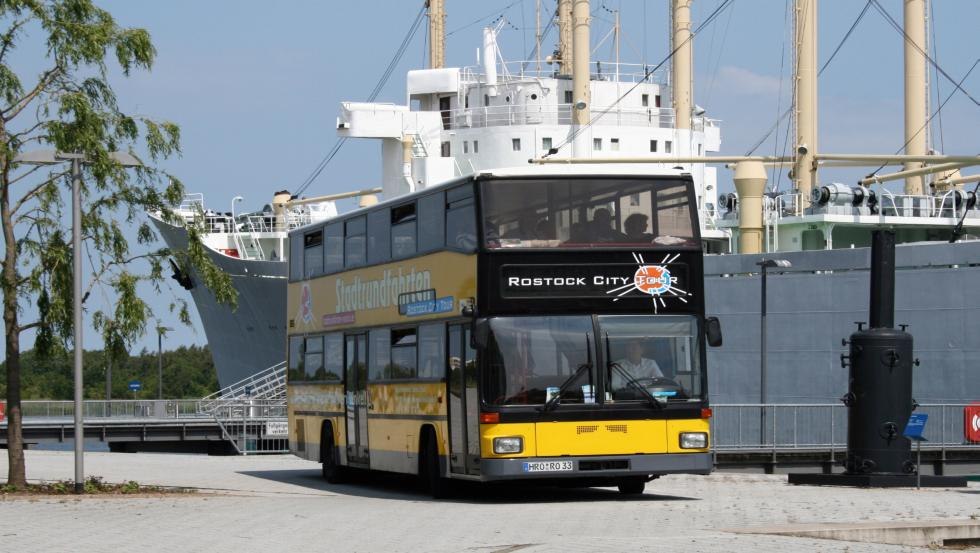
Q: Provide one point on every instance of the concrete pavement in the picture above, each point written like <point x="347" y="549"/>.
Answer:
<point x="281" y="504"/>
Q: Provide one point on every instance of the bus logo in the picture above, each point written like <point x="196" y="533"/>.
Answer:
<point x="652" y="279"/>
<point x="306" y="304"/>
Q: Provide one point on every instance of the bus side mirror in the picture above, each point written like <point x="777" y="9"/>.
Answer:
<point x="712" y="330"/>
<point x="480" y="333"/>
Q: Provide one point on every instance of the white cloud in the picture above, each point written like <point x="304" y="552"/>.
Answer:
<point x="739" y="80"/>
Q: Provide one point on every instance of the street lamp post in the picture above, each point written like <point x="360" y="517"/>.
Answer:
<point x="765" y="265"/>
<point x="234" y="201"/>
<point x="161" y="330"/>
<point x="50" y="157"/>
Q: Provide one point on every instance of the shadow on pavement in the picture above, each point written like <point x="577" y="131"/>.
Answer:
<point x="385" y="485"/>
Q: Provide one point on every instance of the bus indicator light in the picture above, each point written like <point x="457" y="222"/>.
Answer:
<point x="489" y="418"/>
<point x="706" y="412"/>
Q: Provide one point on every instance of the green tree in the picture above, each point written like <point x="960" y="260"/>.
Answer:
<point x="71" y="107"/>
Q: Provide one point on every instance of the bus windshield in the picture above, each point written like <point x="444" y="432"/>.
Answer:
<point x="530" y="360"/>
<point x="653" y="353"/>
<point x="591" y="213"/>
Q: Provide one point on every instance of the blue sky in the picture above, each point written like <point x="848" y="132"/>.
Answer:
<point x="256" y="86"/>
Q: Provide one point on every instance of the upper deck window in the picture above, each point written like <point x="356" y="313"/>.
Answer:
<point x="588" y="213"/>
<point x="333" y="248"/>
<point x="313" y="254"/>
<point x="354" y="242"/>
<point x="403" y="231"/>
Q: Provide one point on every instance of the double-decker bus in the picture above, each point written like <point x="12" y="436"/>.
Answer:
<point x="504" y="326"/>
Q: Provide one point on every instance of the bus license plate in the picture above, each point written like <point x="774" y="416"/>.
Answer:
<point x="548" y="466"/>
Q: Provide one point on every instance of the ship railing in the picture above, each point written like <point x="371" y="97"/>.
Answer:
<point x="191" y="203"/>
<point x="560" y="114"/>
<point x="917" y="205"/>
<point x="817" y="426"/>
<point x="518" y="71"/>
<point x="267" y="222"/>
<point x="889" y="204"/>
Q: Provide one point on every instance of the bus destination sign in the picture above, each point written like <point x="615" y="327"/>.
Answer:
<point x="661" y="282"/>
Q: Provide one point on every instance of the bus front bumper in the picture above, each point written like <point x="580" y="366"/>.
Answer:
<point x="602" y="466"/>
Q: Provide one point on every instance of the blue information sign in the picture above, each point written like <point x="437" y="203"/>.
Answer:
<point x="916" y="426"/>
<point x="135" y="386"/>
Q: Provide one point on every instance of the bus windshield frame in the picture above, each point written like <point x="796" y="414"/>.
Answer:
<point x="588" y="212"/>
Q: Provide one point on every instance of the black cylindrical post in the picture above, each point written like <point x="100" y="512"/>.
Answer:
<point x="882" y="313"/>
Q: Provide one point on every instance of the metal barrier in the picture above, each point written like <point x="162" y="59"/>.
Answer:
<point x="250" y="425"/>
<point x="117" y="408"/>
<point x="253" y="426"/>
<point x="823" y="426"/>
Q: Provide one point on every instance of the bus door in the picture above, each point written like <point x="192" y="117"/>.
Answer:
<point x="356" y="398"/>
<point x="464" y="406"/>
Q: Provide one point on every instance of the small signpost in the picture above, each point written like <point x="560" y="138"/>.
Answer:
<point x="135" y="386"/>
<point x="913" y="431"/>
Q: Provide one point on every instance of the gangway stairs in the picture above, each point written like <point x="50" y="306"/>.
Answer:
<point x="252" y="412"/>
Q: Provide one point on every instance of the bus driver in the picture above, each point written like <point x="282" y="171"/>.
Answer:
<point x="637" y="366"/>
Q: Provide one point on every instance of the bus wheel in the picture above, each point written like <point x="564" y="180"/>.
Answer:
<point x="435" y="484"/>
<point x="632" y="485"/>
<point x="333" y="472"/>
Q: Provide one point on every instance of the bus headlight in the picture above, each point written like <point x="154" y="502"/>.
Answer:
<point x="694" y="440"/>
<point x="510" y="444"/>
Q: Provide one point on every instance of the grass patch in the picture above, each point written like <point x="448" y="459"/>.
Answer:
<point x="94" y="485"/>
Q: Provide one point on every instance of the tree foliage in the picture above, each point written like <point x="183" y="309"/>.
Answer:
<point x="70" y="107"/>
<point x="188" y="373"/>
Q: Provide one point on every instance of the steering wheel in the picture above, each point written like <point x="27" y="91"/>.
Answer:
<point x="660" y="382"/>
<point x="655" y="381"/>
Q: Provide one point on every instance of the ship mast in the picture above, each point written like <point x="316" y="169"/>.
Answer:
<point x="805" y="101"/>
<point x="581" y="87"/>
<point x="565" y="54"/>
<point x="437" y="34"/>
<point x="681" y="64"/>
<point x="915" y="91"/>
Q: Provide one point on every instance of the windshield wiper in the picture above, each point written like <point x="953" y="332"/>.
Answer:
<point x="553" y="402"/>
<point x="651" y="399"/>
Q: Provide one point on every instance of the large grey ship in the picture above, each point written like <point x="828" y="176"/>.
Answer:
<point x="501" y="113"/>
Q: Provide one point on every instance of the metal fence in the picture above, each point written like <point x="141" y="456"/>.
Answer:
<point x="254" y="426"/>
<point x="754" y="426"/>
<point x="250" y="425"/>
<point x="117" y="408"/>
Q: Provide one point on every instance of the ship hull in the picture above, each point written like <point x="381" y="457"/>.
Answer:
<point x="811" y="309"/>
<point x="251" y="337"/>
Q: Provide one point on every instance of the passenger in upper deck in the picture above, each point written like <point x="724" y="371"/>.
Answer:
<point x="525" y="229"/>
<point x="636" y="228"/>
<point x="601" y="227"/>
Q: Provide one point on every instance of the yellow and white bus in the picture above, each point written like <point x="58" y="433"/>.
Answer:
<point x="501" y="327"/>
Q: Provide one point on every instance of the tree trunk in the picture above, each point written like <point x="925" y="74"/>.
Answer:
<point x="16" y="475"/>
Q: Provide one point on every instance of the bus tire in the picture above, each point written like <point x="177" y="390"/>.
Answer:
<point x="333" y="472"/>
<point x="435" y="484"/>
<point x="632" y="485"/>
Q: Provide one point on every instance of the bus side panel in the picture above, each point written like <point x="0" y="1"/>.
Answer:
<point x="309" y="406"/>
<point x="396" y="415"/>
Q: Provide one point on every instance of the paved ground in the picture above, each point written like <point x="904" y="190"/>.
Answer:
<point x="280" y="504"/>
